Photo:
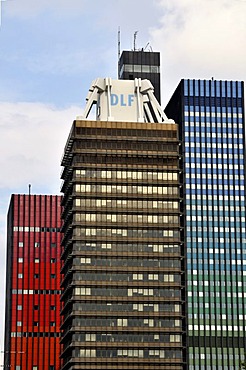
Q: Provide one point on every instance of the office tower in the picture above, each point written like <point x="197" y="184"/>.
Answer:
<point x="32" y="318"/>
<point x="123" y="299"/>
<point x="141" y="64"/>
<point x="211" y="120"/>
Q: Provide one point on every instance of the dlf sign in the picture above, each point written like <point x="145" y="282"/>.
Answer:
<point x="118" y="101"/>
<point x="125" y="101"/>
<point x="122" y="100"/>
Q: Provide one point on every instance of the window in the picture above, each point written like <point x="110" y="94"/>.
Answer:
<point x="52" y="260"/>
<point x="52" y="367"/>
<point x="36" y="260"/>
<point x="34" y="368"/>
<point x="53" y="276"/>
<point x="17" y="367"/>
<point x="52" y="308"/>
<point x="35" y="323"/>
<point x="53" y="245"/>
<point x="36" y="276"/>
<point x="19" y="307"/>
<point x="20" y="259"/>
<point x="20" y="244"/>
<point x="36" y="245"/>
<point x="19" y="323"/>
<point x="36" y="307"/>
<point x="20" y="276"/>
<point x="52" y="323"/>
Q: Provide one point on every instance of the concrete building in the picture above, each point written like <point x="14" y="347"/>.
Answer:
<point x="32" y="316"/>
<point x="123" y="265"/>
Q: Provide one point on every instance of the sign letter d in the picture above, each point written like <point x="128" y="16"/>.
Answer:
<point x="114" y="99"/>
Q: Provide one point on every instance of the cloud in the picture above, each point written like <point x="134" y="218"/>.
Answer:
<point x="32" y="138"/>
<point x="201" y="39"/>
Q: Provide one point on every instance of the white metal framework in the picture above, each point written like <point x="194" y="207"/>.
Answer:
<point x="121" y="100"/>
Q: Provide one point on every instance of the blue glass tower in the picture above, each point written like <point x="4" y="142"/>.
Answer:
<point x="211" y="119"/>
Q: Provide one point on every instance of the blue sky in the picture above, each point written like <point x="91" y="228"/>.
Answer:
<point x="51" y="50"/>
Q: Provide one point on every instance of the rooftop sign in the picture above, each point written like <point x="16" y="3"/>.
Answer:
<point x="124" y="100"/>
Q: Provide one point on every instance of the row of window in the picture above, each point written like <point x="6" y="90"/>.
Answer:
<point x="130" y="262"/>
<point x="20" y="334"/>
<point x="219" y="317"/>
<point x="225" y="135"/>
<point x="126" y="204"/>
<point x="224" y="328"/>
<point x="131" y="175"/>
<point x="217" y="294"/>
<point x="36" y="276"/>
<point x="139" y="353"/>
<point x="216" y="144"/>
<point x="124" y="189"/>
<point x="36" y="229"/>
<point x="126" y="307"/>
<point x="213" y="208"/>
<point x="215" y="197"/>
<point x="137" y="292"/>
<point x="212" y="88"/>
<point x="220" y="306"/>
<point x="36" y="291"/>
<point x="35" y="307"/>
<point x="126" y="218"/>
<point x="220" y="283"/>
<point x="110" y="132"/>
<point x="126" y="322"/>
<point x="89" y="276"/>
<point x="37" y="245"/>
<point x="142" y="68"/>
<point x="36" y="323"/>
<point x="123" y="337"/>
<point x="157" y="248"/>
<point x="134" y="233"/>
<point x="18" y="367"/>
<point x="214" y="114"/>
<point x="36" y="260"/>
<point x="127" y="145"/>
<point x="213" y="154"/>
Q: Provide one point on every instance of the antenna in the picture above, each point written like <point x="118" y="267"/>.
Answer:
<point x="29" y="189"/>
<point x="146" y="46"/>
<point x="134" y="42"/>
<point x="119" y="52"/>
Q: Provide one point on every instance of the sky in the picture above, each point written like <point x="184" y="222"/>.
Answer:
<point x="51" y="51"/>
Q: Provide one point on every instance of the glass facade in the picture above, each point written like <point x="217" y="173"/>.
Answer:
<point x="123" y="265"/>
<point x="211" y="117"/>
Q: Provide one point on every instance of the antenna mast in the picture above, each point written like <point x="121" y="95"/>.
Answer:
<point x="119" y="53"/>
<point x="134" y="42"/>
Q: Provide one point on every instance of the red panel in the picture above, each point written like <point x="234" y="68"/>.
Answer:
<point x="35" y="216"/>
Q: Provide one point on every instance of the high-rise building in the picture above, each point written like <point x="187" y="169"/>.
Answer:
<point x="141" y="64"/>
<point x="32" y="321"/>
<point x="124" y="286"/>
<point x="210" y="115"/>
